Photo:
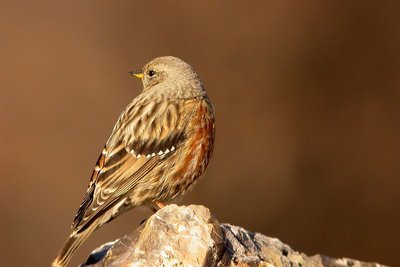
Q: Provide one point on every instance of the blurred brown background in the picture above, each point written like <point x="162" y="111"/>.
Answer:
<point x="307" y="100"/>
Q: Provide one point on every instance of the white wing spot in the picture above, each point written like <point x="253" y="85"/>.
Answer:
<point x="138" y="156"/>
<point x="97" y="168"/>
<point x="104" y="152"/>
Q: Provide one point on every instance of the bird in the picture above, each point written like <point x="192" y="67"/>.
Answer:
<point x="159" y="147"/>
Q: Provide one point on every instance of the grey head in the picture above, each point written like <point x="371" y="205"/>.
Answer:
<point x="170" y="76"/>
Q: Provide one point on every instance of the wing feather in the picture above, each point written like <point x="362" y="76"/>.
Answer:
<point x="141" y="139"/>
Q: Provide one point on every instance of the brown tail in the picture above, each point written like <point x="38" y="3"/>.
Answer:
<point x="73" y="242"/>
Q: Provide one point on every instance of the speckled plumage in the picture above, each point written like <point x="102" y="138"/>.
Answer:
<point x="159" y="147"/>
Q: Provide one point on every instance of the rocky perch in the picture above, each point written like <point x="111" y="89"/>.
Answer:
<point x="191" y="236"/>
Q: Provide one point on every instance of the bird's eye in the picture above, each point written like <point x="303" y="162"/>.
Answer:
<point x="151" y="73"/>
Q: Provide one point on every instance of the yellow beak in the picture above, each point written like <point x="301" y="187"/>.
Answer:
<point x="137" y="74"/>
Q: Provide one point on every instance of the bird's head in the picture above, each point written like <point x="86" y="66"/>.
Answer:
<point x="170" y="74"/>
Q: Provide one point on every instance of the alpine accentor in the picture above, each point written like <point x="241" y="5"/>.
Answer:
<point x="159" y="147"/>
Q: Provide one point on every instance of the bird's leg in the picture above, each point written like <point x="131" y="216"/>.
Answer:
<point x="157" y="205"/>
<point x="160" y="204"/>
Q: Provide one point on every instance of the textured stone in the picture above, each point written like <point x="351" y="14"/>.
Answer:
<point x="191" y="236"/>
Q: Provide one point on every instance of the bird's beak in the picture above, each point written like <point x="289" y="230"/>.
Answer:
<point x="137" y="74"/>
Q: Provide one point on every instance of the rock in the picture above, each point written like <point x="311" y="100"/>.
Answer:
<point x="191" y="236"/>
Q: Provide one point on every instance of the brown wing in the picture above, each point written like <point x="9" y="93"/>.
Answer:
<point x="143" y="137"/>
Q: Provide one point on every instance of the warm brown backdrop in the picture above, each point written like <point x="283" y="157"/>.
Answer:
<point x="307" y="100"/>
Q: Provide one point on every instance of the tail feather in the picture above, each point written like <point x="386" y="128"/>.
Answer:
<point x="73" y="242"/>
